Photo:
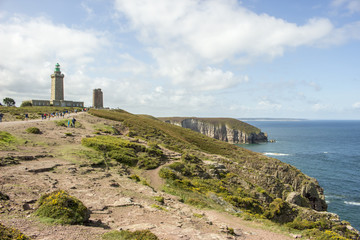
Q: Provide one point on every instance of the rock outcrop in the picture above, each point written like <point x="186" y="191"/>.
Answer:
<point x="224" y="129"/>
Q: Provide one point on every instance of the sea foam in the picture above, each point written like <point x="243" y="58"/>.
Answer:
<point x="275" y="154"/>
<point x="352" y="203"/>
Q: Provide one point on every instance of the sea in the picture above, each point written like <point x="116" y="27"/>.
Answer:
<point x="328" y="150"/>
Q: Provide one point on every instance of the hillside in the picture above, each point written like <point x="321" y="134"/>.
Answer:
<point x="137" y="172"/>
<point x="224" y="129"/>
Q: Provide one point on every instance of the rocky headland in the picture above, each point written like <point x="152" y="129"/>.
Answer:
<point x="136" y="172"/>
<point x="224" y="129"/>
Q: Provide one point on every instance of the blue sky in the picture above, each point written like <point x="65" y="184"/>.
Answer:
<point x="205" y="58"/>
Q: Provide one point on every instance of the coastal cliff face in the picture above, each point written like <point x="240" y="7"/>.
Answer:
<point x="221" y="130"/>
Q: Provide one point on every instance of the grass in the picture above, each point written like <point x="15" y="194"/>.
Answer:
<point x="107" y="129"/>
<point x="119" y="150"/>
<point x="8" y="141"/>
<point x="64" y="123"/>
<point x="129" y="235"/>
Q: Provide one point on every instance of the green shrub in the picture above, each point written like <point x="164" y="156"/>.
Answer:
<point x="33" y="130"/>
<point x="60" y="207"/>
<point x="189" y="158"/>
<point x="128" y="235"/>
<point x="68" y="134"/>
<point x="6" y="138"/>
<point x="197" y="202"/>
<point x="146" y="162"/>
<point x="247" y="203"/>
<point x="167" y="173"/>
<point x="301" y="224"/>
<point x="26" y="104"/>
<point x="135" y="177"/>
<point x="280" y="211"/>
<point x="126" y="156"/>
<point x="7" y="233"/>
<point x="324" y="235"/>
<point x="159" y="199"/>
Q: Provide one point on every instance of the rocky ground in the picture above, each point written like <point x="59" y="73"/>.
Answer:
<point x="48" y="162"/>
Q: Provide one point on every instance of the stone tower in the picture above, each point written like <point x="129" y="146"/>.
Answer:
<point x="98" y="98"/>
<point x="57" y="84"/>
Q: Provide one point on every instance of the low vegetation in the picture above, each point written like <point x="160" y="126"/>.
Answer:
<point x="8" y="233"/>
<point x="120" y="151"/>
<point x="33" y="130"/>
<point x="7" y="140"/>
<point x="239" y="181"/>
<point x="67" y="122"/>
<point x="129" y="235"/>
<point x="62" y="208"/>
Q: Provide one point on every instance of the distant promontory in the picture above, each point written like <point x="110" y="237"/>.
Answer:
<point x="225" y="129"/>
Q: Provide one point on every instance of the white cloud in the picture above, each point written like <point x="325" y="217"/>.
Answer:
<point x="269" y="105"/>
<point x="356" y="105"/>
<point x="352" y="6"/>
<point x="319" y="107"/>
<point x="192" y="39"/>
<point x="30" y="47"/>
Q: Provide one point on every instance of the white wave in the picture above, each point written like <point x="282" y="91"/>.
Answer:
<point x="352" y="203"/>
<point x="275" y="154"/>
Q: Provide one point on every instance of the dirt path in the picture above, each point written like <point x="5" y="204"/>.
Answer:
<point x="116" y="202"/>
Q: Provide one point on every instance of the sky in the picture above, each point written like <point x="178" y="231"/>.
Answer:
<point x="203" y="58"/>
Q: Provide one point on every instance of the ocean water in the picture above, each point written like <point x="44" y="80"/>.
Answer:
<point x="326" y="150"/>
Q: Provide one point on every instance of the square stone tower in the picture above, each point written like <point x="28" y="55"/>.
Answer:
<point x="57" y="84"/>
<point x="98" y="98"/>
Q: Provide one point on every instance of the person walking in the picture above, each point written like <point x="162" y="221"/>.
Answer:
<point x="73" y="122"/>
<point x="1" y="116"/>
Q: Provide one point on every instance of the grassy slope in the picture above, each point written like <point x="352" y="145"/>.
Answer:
<point x="174" y="137"/>
<point x="254" y="184"/>
<point x="229" y="122"/>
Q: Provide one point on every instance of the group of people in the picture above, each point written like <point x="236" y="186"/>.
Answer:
<point x="52" y="115"/>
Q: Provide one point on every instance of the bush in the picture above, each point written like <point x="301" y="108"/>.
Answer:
<point x="167" y="173"/>
<point x="128" y="235"/>
<point x="26" y="104"/>
<point x="250" y="204"/>
<point x="126" y="156"/>
<point x="60" y="207"/>
<point x="33" y="130"/>
<point x="6" y="138"/>
<point x="280" y="211"/>
<point x="147" y="163"/>
<point x="7" y="233"/>
<point x="160" y="199"/>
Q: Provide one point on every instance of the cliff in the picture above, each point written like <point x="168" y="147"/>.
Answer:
<point x="126" y="169"/>
<point x="224" y="129"/>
